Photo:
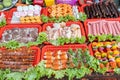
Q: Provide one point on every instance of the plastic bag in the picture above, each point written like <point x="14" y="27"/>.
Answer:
<point x="71" y="2"/>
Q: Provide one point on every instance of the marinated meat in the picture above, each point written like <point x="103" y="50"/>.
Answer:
<point x="22" y="35"/>
<point x="17" y="60"/>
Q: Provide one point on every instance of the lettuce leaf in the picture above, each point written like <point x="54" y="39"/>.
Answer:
<point x="102" y="37"/>
<point x="41" y="38"/>
<point x="110" y="37"/>
<point x="44" y="18"/>
<point x="82" y="16"/>
<point x="91" y="38"/>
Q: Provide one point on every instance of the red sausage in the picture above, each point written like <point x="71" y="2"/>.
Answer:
<point x="113" y="30"/>
<point x="104" y="28"/>
<point x="89" y="28"/>
<point x="94" y="29"/>
<point x="97" y="26"/>
<point x="100" y="27"/>
<point x="109" y="28"/>
<point x="116" y="28"/>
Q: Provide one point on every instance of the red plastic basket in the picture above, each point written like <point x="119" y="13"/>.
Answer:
<point x="8" y="27"/>
<point x="68" y="24"/>
<point x="37" y="54"/>
<point x="92" y="20"/>
<point x="15" y="9"/>
<point x="62" y="48"/>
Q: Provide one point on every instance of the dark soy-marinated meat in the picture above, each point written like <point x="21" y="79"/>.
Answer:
<point x="102" y="10"/>
<point x="114" y="9"/>
<point x="17" y="60"/>
<point x="99" y="12"/>
<point x="87" y="11"/>
<point x="22" y="35"/>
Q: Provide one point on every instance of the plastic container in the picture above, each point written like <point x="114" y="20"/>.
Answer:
<point x="49" y="2"/>
<point x="71" y="2"/>
<point x="67" y="23"/>
<point x="62" y="48"/>
<point x="92" y="20"/>
<point x="8" y="27"/>
<point x="11" y="15"/>
<point x="37" y="54"/>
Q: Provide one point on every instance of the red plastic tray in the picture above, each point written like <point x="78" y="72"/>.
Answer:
<point x="92" y="20"/>
<point x="37" y="54"/>
<point x="19" y="26"/>
<point x="6" y="13"/>
<point x="14" y="9"/>
<point x="90" y="49"/>
<point x="62" y="48"/>
<point x="68" y="24"/>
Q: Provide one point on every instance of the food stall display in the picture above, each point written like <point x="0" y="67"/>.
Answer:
<point x="59" y="40"/>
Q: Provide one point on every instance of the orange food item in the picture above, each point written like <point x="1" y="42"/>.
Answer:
<point x="48" y="65"/>
<point x="118" y="64"/>
<point x="64" y="66"/>
<point x="113" y="65"/>
<point x="48" y="57"/>
<point x="48" y="61"/>
<point x="56" y="67"/>
<point x="49" y="53"/>
<point x="64" y="57"/>
<point x="102" y="65"/>
<point x="31" y="19"/>
<point x="63" y="61"/>
<point x="60" y="9"/>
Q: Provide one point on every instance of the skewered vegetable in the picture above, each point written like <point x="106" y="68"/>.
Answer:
<point x="107" y="53"/>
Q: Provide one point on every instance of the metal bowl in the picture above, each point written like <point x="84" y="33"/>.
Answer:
<point x="13" y="4"/>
